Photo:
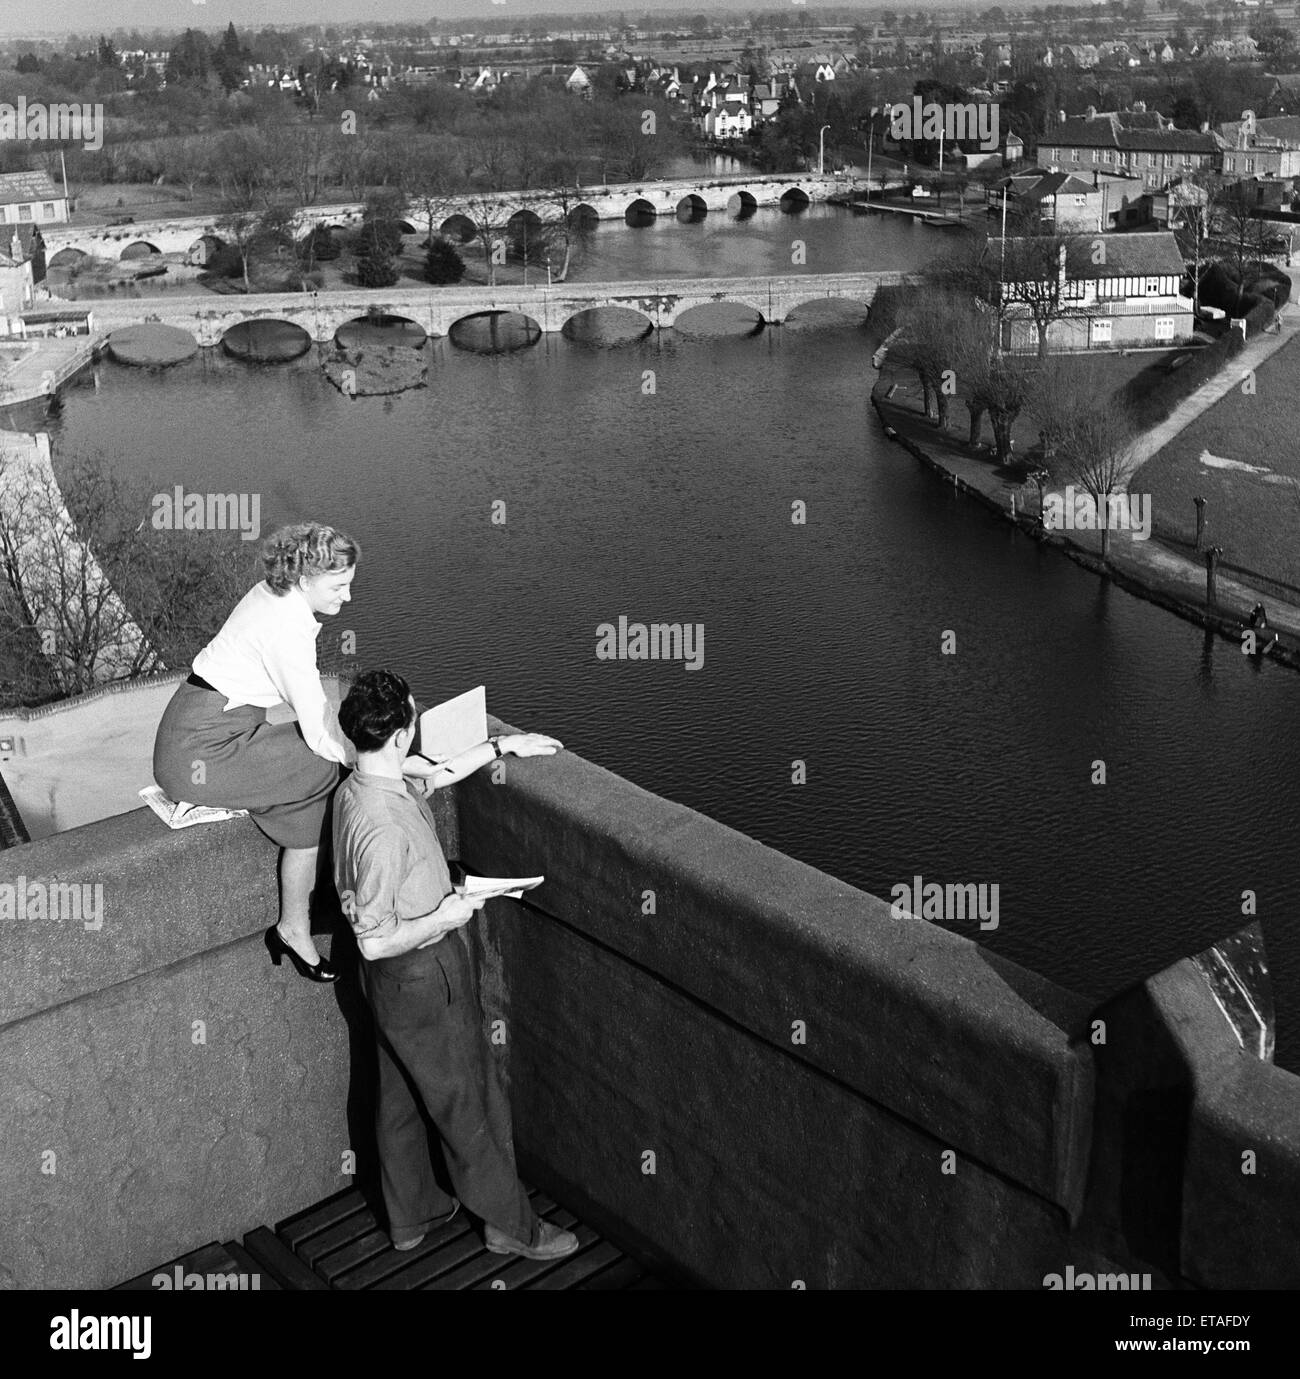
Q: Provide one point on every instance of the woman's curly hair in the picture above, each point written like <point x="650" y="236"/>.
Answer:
<point x="306" y="548"/>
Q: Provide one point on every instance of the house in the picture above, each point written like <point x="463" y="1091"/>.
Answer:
<point x="577" y="80"/>
<point x="31" y="198"/>
<point x="1137" y="142"/>
<point x="1060" y="200"/>
<point x="1079" y="57"/>
<point x="1132" y="297"/>
<point x="1261" y="148"/>
<point x="1165" y="210"/>
<point x="17" y="281"/>
<point x="728" y="115"/>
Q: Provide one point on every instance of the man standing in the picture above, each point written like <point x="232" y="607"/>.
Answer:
<point x="396" y="891"/>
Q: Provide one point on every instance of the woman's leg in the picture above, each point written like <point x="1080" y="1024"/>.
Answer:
<point x="297" y="879"/>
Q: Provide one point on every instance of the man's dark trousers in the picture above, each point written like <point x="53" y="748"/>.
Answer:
<point x="432" y="1045"/>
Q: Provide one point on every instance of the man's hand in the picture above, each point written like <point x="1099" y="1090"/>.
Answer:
<point x="530" y="745"/>
<point x="457" y="910"/>
<point x="454" y="912"/>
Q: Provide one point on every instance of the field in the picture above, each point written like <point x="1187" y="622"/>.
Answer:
<point x="1243" y="457"/>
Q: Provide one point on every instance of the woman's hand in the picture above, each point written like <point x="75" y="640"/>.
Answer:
<point x="530" y="745"/>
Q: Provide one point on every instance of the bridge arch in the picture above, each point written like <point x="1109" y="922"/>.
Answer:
<point x="69" y="258"/>
<point x="794" y="199"/>
<point x="692" y="208"/>
<point x="493" y="332"/>
<point x="640" y="212"/>
<point x="611" y="323"/>
<point x="458" y="228"/>
<point x="741" y="204"/>
<point x="401" y="330"/>
<point x="138" y="249"/>
<point x="583" y="217"/>
<point x="828" y="309"/>
<point x="203" y="248"/>
<point x="265" y="340"/>
<point x="730" y="316"/>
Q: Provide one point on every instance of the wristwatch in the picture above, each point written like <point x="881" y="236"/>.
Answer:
<point x="496" y="746"/>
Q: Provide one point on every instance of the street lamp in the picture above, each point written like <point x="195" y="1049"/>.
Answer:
<point x="821" y="152"/>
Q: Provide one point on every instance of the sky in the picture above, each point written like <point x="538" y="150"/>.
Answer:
<point x="54" y="17"/>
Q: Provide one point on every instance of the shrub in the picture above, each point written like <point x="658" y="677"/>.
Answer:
<point x="443" y="264"/>
<point x="378" y="236"/>
<point x="320" y="246"/>
<point x="1152" y="394"/>
<point x="376" y="270"/>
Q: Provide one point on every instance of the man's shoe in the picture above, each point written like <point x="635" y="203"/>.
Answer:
<point x="411" y="1244"/>
<point x="552" y="1243"/>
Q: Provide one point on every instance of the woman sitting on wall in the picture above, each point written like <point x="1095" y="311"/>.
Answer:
<point x="215" y="747"/>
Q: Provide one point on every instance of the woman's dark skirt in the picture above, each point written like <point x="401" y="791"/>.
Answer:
<point x="237" y="760"/>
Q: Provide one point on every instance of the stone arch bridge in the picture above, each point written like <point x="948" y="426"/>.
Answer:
<point x="320" y="315"/>
<point x="191" y="235"/>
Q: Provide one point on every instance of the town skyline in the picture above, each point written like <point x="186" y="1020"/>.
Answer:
<point x="61" y="17"/>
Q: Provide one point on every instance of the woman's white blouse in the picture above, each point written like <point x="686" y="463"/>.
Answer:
<point x="264" y="655"/>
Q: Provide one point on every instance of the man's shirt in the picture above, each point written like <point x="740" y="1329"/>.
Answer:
<point x="264" y="655"/>
<point x="388" y="863"/>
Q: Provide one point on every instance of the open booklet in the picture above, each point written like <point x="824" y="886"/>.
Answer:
<point x="491" y="887"/>
<point x="178" y="814"/>
<point x="447" y="730"/>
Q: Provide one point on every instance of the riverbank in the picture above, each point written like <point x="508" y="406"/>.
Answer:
<point x="1147" y="568"/>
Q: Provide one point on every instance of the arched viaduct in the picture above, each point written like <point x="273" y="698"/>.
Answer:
<point x="186" y="235"/>
<point x="208" y="318"/>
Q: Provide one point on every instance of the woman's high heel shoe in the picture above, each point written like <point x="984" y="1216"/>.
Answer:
<point x="278" y="949"/>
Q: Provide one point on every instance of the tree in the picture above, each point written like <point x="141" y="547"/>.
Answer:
<point x="191" y="59"/>
<point x="1096" y="452"/>
<point x="1241" y="235"/>
<point x="320" y="246"/>
<point x="443" y="263"/>
<point x="991" y="380"/>
<point x="491" y="217"/>
<point x="925" y="342"/>
<point x="92" y="591"/>
<point x="238" y="228"/>
<point x="230" y="61"/>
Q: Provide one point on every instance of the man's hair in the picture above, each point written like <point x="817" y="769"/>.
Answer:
<point x="377" y="705"/>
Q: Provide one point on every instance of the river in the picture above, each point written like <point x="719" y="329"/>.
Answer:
<point x="822" y="641"/>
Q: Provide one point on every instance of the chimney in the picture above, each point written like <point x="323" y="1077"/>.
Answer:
<point x="1205" y="126"/>
<point x="1090" y="114"/>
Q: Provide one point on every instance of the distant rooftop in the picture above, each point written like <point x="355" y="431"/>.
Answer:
<point x="18" y="187"/>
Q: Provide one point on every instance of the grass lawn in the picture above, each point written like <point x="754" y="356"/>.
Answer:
<point x="1252" y="512"/>
<point x="99" y="203"/>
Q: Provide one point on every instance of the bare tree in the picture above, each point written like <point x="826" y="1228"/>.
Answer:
<point x="926" y="343"/>
<point x="93" y="592"/>
<point x="491" y="217"/>
<point x="239" y="229"/>
<point x="992" y="382"/>
<point x="1096" y="452"/>
<point x="1242" y="235"/>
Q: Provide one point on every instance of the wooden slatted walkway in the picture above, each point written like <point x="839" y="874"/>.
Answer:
<point x="338" y="1244"/>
